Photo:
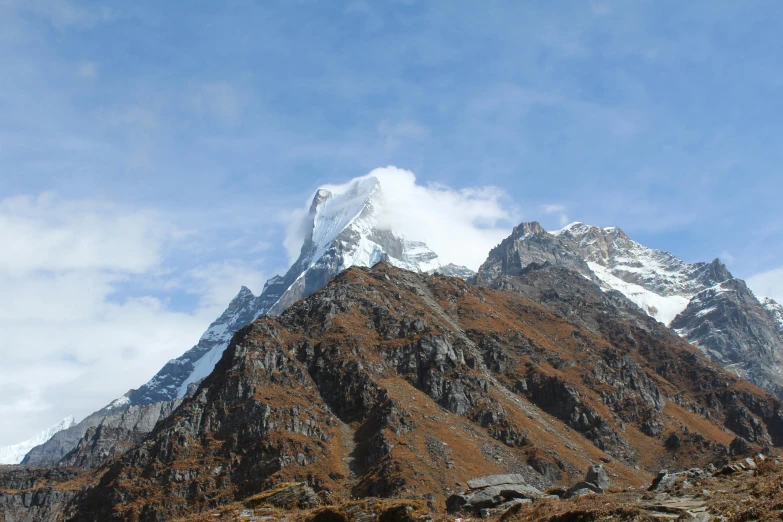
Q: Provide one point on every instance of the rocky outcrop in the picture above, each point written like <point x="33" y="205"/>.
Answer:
<point x="529" y="243"/>
<point x="700" y="301"/>
<point x="35" y="495"/>
<point x="775" y="311"/>
<point x="294" y="495"/>
<point x="104" y="435"/>
<point x="729" y="324"/>
<point x="655" y="270"/>
<point x="50" y="452"/>
<point x="492" y="491"/>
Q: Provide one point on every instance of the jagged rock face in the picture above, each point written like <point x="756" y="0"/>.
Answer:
<point x="116" y="433"/>
<point x="390" y="383"/>
<point x="35" y="495"/>
<point x="15" y="454"/>
<point x="775" y="311"/>
<point x="102" y="435"/>
<point x="172" y="380"/>
<point x="50" y="452"/>
<point x="655" y="270"/>
<point x="729" y="324"/>
<point x="574" y="297"/>
<point x="342" y="232"/>
<point x="738" y="333"/>
<point x="529" y="243"/>
<point x="454" y="270"/>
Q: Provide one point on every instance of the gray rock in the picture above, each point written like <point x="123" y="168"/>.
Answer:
<point x="598" y="476"/>
<point x="580" y="492"/>
<point x="492" y="496"/>
<point x="494" y="480"/>
<point x="495" y="495"/>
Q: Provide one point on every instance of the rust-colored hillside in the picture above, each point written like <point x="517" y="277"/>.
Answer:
<point x="388" y="383"/>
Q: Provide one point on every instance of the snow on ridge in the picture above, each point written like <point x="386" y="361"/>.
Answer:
<point x="662" y="308"/>
<point x="15" y="453"/>
<point x="334" y="209"/>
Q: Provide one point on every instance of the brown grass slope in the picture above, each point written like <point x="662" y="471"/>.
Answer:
<point x="393" y="384"/>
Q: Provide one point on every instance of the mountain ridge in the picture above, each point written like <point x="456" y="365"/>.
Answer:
<point x="15" y="453"/>
<point x="343" y="230"/>
<point x="432" y="381"/>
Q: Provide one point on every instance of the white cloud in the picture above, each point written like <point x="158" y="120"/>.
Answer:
<point x="727" y="256"/>
<point x="78" y="327"/>
<point x="558" y="209"/>
<point x="768" y="284"/>
<point x="218" y="283"/>
<point x="461" y="226"/>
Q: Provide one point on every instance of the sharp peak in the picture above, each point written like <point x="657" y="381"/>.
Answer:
<point x="529" y="227"/>
<point x="364" y="185"/>
<point x="581" y="226"/>
<point x="243" y="292"/>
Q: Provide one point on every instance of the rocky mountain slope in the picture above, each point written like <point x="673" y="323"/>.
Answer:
<point x="702" y="301"/>
<point x="735" y="330"/>
<point x="775" y="311"/>
<point x="342" y="231"/>
<point x="15" y="453"/>
<point x="396" y="384"/>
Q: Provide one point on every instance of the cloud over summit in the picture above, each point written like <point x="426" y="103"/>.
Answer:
<point x="460" y="225"/>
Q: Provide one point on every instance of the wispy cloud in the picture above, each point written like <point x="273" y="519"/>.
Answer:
<point x="768" y="284"/>
<point x="85" y="323"/>
<point x="436" y="214"/>
<point x="559" y="210"/>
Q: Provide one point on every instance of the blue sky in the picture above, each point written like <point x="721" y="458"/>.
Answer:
<point x="172" y="141"/>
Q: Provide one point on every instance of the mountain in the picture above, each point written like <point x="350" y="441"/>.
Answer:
<point x="775" y="311"/>
<point x="342" y="230"/>
<point x="657" y="281"/>
<point x="14" y="454"/>
<point x="703" y="302"/>
<point x="730" y="325"/>
<point x="395" y="384"/>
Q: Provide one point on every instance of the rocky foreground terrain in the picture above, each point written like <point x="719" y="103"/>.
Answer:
<point x="388" y="393"/>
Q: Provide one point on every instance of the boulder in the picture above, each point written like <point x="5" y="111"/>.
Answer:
<point x="494" y="480"/>
<point x="491" y="492"/>
<point x="596" y="480"/>
<point x="598" y="476"/>
<point x="578" y="488"/>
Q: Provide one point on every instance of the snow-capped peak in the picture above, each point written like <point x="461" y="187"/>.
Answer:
<point x="15" y="453"/>
<point x="342" y="230"/>
<point x="334" y="210"/>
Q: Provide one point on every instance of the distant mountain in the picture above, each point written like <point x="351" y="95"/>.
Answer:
<point x="703" y="302"/>
<point x="656" y="280"/>
<point x="733" y="328"/>
<point x="14" y="454"/>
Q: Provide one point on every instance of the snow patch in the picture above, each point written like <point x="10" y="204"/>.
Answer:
<point x="662" y="308"/>
<point x="15" y="454"/>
